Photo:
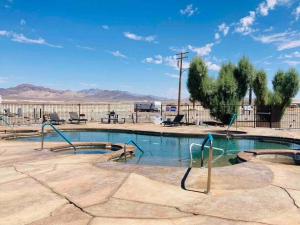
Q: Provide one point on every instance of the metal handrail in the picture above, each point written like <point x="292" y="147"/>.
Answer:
<point x="209" y="139"/>
<point x="132" y="142"/>
<point x="135" y="144"/>
<point x="58" y="132"/>
<point x="232" y="120"/>
<point x="9" y="125"/>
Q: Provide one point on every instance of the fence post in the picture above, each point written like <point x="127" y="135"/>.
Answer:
<point x="270" y="116"/>
<point x="254" y="120"/>
<point x="79" y="112"/>
<point x="136" y="115"/>
<point x="188" y="108"/>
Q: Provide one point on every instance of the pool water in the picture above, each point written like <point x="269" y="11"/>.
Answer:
<point x="167" y="150"/>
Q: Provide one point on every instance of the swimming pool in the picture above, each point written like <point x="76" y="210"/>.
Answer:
<point x="169" y="150"/>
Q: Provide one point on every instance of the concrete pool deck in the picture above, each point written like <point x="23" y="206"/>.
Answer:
<point x="42" y="187"/>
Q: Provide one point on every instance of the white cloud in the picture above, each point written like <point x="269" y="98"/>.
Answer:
<point x="295" y="54"/>
<point x="105" y="27"/>
<point x="189" y="10"/>
<point x="223" y="28"/>
<point x="297" y="13"/>
<point x="245" y="24"/>
<point x="201" y="51"/>
<point x="176" y="76"/>
<point x="289" y="45"/>
<point x="21" y="38"/>
<point x="266" y="6"/>
<point x="136" y="37"/>
<point x="175" y="49"/>
<point x="118" y="54"/>
<point x="167" y="61"/>
<point x="85" y="48"/>
<point x="4" y="33"/>
<point x="217" y="36"/>
<point x="292" y="62"/>
<point x="158" y="59"/>
<point x="284" y="40"/>
<point x="22" y="22"/>
<point x="212" y="66"/>
<point x="277" y="37"/>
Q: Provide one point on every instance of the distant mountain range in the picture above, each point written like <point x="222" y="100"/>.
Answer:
<point x="29" y="92"/>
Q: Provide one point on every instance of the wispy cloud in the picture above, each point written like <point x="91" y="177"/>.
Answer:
<point x="289" y="45"/>
<point x="223" y="29"/>
<point x="202" y="51"/>
<point x="105" y="27"/>
<point x="170" y="61"/>
<point x="295" y="54"/>
<point x="21" y="38"/>
<point x="172" y="75"/>
<point x="135" y="37"/>
<point x="85" y="48"/>
<point x="245" y="24"/>
<point x="297" y="13"/>
<point x="212" y="66"/>
<point x="118" y="54"/>
<point x="283" y="41"/>
<point x="158" y="59"/>
<point x="292" y="62"/>
<point x="189" y="10"/>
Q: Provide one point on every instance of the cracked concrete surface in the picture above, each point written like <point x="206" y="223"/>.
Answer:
<point x="41" y="187"/>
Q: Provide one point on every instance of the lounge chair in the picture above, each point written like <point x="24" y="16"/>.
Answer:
<point x="54" y="119"/>
<point x="177" y="121"/>
<point x="75" y="118"/>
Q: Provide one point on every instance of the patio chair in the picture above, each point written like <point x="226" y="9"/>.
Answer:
<point x="177" y="121"/>
<point x="54" y="119"/>
<point x="74" y="117"/>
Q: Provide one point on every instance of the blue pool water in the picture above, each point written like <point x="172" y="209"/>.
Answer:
<point x="167" y="150"/>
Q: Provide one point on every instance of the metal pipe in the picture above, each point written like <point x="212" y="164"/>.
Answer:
<point x="58" y="132"/>
<point x="209" y="166"/>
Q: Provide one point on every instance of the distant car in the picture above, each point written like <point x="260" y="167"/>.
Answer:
<point x="147" y="107"/>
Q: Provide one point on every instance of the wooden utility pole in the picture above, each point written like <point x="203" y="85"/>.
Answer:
<point x="180" y="57"/>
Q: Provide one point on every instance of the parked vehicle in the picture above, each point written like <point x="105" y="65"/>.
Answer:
<point x="147" y="106"/>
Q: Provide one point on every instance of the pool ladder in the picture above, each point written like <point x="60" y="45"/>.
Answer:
<point x="209" y="139"/>
<point x="135" y="144"/>
<point x="47" y="123"/>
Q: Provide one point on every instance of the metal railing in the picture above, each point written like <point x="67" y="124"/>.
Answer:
<point x="58" y="132"/>
<point x="232" y="120"/>
<point x="135" y="144"/>
<point x="2" y="118"/>
<point x="209" y="139"/>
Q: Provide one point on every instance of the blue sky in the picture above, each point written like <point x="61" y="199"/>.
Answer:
<point x="130" y="45"/>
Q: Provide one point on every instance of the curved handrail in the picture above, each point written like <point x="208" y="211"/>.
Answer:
<point x="135" y="144"/>
<point x="58" y="132"/>
<point x="132" y="142"/>
<point x="232" y="120"/>
<point x="9" y="125"/>
<point x="209" y="139"/>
